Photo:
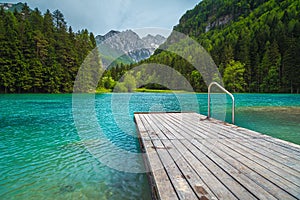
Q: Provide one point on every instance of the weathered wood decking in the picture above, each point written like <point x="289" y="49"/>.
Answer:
<point x="191" y="157"/>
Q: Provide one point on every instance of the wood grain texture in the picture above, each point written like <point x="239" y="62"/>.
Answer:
<point x="192" y="157"/>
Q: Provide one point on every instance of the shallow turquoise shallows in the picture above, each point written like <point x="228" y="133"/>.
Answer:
<point x="43" y="157"/>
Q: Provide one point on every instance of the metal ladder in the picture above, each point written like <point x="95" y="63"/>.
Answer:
<point x="224" y="90"/>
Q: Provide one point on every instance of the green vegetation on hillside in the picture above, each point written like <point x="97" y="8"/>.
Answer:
<point x="264" y="36"/>
<point x="40" y="53"/>
<point x="254" y="43"/>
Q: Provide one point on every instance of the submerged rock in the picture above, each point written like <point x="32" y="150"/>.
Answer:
<point x="66" y="188"/>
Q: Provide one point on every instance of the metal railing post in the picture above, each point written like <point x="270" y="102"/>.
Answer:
<point x="224" y="90"/>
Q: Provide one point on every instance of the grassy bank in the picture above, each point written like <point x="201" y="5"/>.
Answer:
<point x="158" y="91"/>
<point x="103" y="90"/>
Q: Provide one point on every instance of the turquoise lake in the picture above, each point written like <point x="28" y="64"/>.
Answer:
<point x="42" y="156"/>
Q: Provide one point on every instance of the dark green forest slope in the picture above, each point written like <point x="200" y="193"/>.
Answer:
<point x="263" y="35"/>
<point x="255" y="44"/>
<point x="40" y="53"/>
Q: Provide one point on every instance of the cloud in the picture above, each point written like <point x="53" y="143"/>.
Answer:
<point x="101" y="16"/>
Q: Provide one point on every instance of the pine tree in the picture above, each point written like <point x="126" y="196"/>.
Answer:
<point x="38" y="54"/>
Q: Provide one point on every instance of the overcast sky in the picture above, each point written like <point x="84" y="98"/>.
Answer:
<point x="101" y="16"/>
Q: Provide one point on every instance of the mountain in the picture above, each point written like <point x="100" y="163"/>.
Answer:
<point x="12" y="7"/>
<point x="128" y="44"/>
<point x="254" y="43"/>
<point x="100" y="38"/>
<point x="210" y="14"/>
<point x="154" y="41"/>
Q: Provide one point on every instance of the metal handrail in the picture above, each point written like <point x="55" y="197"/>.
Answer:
<point x="223" y="89"/>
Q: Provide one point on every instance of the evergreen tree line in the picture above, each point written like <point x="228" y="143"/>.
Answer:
<point x="254" y="43"/>
<point x="257" y="50"/>
<point x="39" y="52"/>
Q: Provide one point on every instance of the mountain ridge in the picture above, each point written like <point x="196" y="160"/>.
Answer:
<point x="130" y="43"/>
<point x="255" y="44"/>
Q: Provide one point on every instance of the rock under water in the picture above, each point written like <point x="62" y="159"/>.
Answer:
<point x="66" y="188"/>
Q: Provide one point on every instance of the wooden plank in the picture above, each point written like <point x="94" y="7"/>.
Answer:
<point x="142" y="131"/>
<point x="238" y="189"/>
<point x="164" y="187"/>
<point x="277" y="161"/>
<point x="200" y="159"/>
<point x="242" y="178"/>
<point x="162" y="119"/>
<point x="271" y="153"/>
<point x="251" y="185"/>
<point x="209" y="173"/>
<point x="178" y="180"/>
<point x="155" y="127"/>
<point x="160" y="126"/>
<point x="292" y="177"/>
<point x="180" y="184"/>
<point x="221" y="191"/>
<point x="275" y="166"/>
<point x="195" y="181"/>
<point x="151" y="133"/>
<point x="284" y="144"/>
<point x="282" y="177"/>
<point x="286" y="147"/>
<point x="237" y="174"/>
<point x="215" y="185"/>
<point x="195" y="124"/>
<point x="263" y="171"/>
<point x="258" y="182"/>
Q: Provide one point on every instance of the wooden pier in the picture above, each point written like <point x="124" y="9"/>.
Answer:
<point x="192" y="157"/>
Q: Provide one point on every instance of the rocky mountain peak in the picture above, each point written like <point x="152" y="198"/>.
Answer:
<point x="131" y="44"/>
<point x="154" y="40"/>
<point x="100" y="38"/>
